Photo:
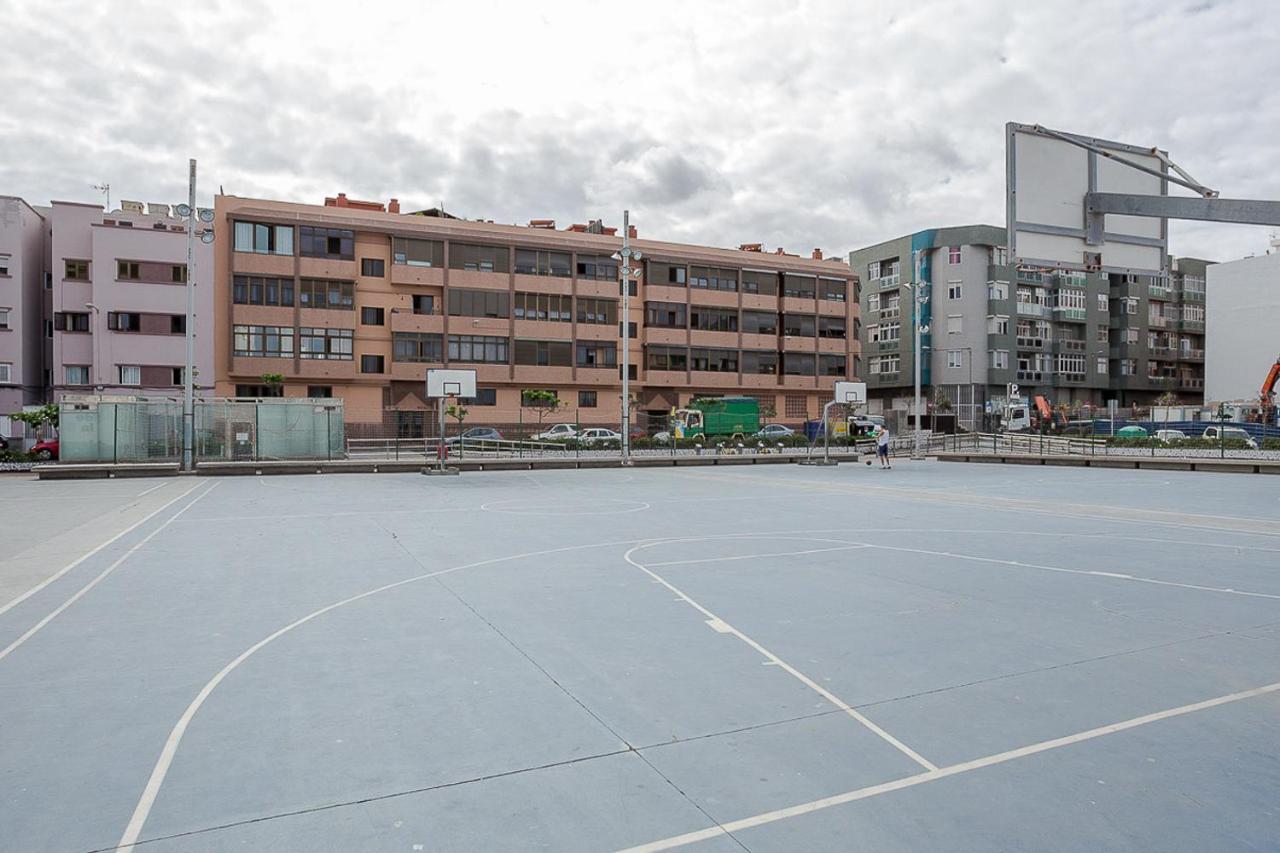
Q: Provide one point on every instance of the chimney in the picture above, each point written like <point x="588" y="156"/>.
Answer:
<point x="750" y="247"/>
<point x="543" y="223"/>
<point x="393" y="206"/>
<point x="817" y="254"/>
<point x="779" y="251"/>
<point x="578" y="227"/>
<point x="631" y="231"/>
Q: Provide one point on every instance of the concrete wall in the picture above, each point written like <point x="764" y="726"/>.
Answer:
<point x="1242" y="332"/>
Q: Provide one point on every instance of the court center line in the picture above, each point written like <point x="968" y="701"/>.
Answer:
<point x="35" y="589"/>
<point x="756" y="556"/>
<point x="942" y="772"/>
<point x="101" y="576"/>
<point x="774" y="659"/>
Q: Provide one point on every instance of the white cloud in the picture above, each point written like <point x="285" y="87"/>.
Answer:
<point x="811" y="123"/>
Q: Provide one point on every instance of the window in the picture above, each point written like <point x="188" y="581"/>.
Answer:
<point x="666" y="358"/>
<point x="128" y="270"/>
<point x="76" y="271"/>
<point x="478" y="303"/>
<point x="336" y="243"/>
<point x="633" y="331"/>
<point x="264" y="239"/>
<point x="263" y="341"/>
<point x="1000" y="359"/>
<point x="873" y="270"/>
<point x="667" y="315"/>
<point x="831" y="327"/>
<point x="485" y="349"/>
<point x="177" y="324"/>
<point x="597" y="354"/>
<point x="955" y="358"/>
<point x="760" y="283"/>
<point x="873" y="302"/>
<point x="4" y="318"/>
<point x="48" y="328"/>
<point x="417" y="347"/>
<point x="258" y="391"/>
<point x="597" y="311"/>
<point x="326" y="344"/>
<point x="796" y="406"/>
<point x="885" y="332"/>
<point x="1070" y="363"/>
<point x="1104" y="302"/>
<point x="798" y="363"/>
<point x="259" y="290"/>
<point x="372" y="364"/>
<point x="955" y="324"/>
<point x="372" y="316"/>
<point x="672" y="275"/>
<point x="178" y="273"/>
<point x="4" y="264"/>
<point x="6" y="372"/>
<point x="760" y="362"/>
<point x="713" y="319"/>
<point x="711" y="278"/>
<point x="713" y="360"/>
<point x="759" y="323"/>
<point x="600" y="267"/>
<point x="886" y="364"/>
<point x="1103" y="333"/>
<point x="72" y="321"/>
<point x="373" y="267"/>
<point x="424" y="304"/>
<point x="549" y="307"/>
<point x="76" y="374"/>
<point x="122" y="321"/>
<point x="463" y="256"/>
<point x="1071" y="299"/>
<point x="997" y="290"/>
<point x="799" y="286"/>
<point x="1102" y="366"/>
<point x="1130" y="305"/>
<point x="320" y="392"/>
<point x="483" y="397"/>
<point x="997" y="325"/>
<point x="176" y="375"/>
<point x="542" y="262"/>
<point x="832" y="289"/>
<point x="417" y="253"/>
<point x="324" y="293"/>
<point x="587" y="399"/>
<point x="953" y="255"/>
<point x="831" y="365"/>
<point x="953" y="290"/>
<point x="999" y="256"/>
<point x="798" y="325"/>
<point x="544" y="353"/>
<point x="130" y="374"/>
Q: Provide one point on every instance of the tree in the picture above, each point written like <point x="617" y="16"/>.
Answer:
<point x="941" y="401"/>
<point x="36" y="418"/>
<point x="458" y="412"/>
<point x="274" y="383"/>
<point x="541" y="401"/>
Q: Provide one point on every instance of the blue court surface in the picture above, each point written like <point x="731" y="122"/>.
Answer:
<point x="763" y="658"/>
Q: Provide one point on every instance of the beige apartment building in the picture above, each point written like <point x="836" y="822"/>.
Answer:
<point x="357" y="300"/>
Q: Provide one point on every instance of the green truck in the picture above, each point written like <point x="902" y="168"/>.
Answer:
<point x="716" y="417"/>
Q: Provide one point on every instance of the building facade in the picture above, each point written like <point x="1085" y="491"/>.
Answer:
<point x="352" y="300"/>
<point x="1243" y="315"/>
<point x="22" y="276"/>
<point x="1075" y="338"/>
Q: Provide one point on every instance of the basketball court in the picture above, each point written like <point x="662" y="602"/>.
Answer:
<point x="778" y="658"/>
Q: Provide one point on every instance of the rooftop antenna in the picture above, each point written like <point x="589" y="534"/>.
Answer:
<point x="104" y="188"/>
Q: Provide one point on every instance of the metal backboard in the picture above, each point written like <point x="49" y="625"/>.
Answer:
<point x="851" y="393"/>
<point x="1048" y="174"/>
<point x="450" y="383"/>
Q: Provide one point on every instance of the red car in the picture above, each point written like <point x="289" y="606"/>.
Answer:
<point x="45" y="449"/>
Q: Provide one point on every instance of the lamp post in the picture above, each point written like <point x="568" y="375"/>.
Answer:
<point x="191" y="214"/>
<point x="918" y="299"/>
<point x="626" y="255"/>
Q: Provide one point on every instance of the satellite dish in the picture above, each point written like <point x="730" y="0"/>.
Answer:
<point x="183" y="210"/>
<point x="206" y="237"/>
<point x="206" y="214"/>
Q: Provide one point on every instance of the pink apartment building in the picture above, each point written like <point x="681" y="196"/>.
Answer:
<point x="22" y="272"/>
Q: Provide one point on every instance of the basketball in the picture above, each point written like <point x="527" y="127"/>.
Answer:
<point x="868" y="461"/>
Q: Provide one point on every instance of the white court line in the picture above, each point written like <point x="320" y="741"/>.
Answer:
<point x="89" y="554"/>
<point x="757" y="556"/>
<point x="108" y="570"/>
<point x="774" y="659"/>
<point x="941" y="773"/>
<point x="152" y="489"/>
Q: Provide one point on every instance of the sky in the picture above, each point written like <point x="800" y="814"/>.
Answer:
<point x="801" y="125"/>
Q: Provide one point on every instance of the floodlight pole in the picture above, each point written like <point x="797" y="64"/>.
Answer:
<point x="916" y="301"/>
<point x="188" y="379"/>
<point x="625" y="255"/>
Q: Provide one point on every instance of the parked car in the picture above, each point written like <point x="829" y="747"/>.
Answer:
<point x="45" y="450"/>
<point x="4" y="444"/>
<point x="1227" y="432"/>
<point x="775" y="431"/>
<point x="475" y="434"/>
<point x="1131" y="432"/>
<point x="559" y="432"/>
<point x="1169" y="436"/>
<point x="598" y="435"/>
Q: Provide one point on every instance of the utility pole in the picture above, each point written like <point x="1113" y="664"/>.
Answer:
<point x="188" y="378"/>
<point x="626" y="256"/>
<point x="917" y="299"/>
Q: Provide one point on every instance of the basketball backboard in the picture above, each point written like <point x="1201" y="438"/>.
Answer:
<point x="851" y="393"/>
<point x="450" y="383"/>
<point x="1048" y="175"/>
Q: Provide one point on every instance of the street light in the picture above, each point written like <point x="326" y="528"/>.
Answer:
<point x="919" y="298"/>
<point x="191" y="214"/>
<point x="626" y="255"/>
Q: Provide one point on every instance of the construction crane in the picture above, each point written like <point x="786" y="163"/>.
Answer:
<point x="1267" y="396"/>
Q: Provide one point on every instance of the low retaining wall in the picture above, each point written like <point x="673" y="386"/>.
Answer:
<point x="1153" y="463"/>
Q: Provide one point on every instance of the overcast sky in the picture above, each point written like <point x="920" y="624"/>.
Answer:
<point x="796" y="124"/>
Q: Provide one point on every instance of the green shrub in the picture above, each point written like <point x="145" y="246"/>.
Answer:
<point x="15" y="456"/>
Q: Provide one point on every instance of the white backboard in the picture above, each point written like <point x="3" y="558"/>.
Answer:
<point x="450" y="383"/>
<point x="1047" y="178"/>
<point x="851" y="393"/>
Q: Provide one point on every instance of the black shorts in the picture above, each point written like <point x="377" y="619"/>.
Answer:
<point x="882" y="450"/>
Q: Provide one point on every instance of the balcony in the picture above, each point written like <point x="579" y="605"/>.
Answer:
<point x="1163" y="353"/>
<point x="1075" y="315"/>
<point x="1190" y="383"/>
<point x="890" y="313"/>
<point x="888" y="346"/>
<point x="1069" y="345"/>
<point x="1167" y="382"/>
<point x="1160" y="321"/>
<point x="1191" y="325"/>
<point x="1192" y="295"/>
<point x="998" y="307"/>
<point x="1037" y="376"/>
<point x="1031" y="342"/>
<point x="1034" y="309"/>
<point x="882" y="379"/>
<point x="888" y="281"/>
<point x="1191" y="355"/>
<point x="1070" y="379"/>
<point x="1158" y="291"/>
<point x="1030" y="277"/>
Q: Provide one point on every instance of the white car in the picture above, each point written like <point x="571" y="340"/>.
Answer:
<point x="1235" y="433"/>
<point x="1169" y="436"/>
<point x="559" y="432"/>
<point x="598" y="435"/>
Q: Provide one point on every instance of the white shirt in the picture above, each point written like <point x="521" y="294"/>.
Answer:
<point x="883" y="438"/>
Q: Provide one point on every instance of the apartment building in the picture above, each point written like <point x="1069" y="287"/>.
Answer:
<point x="22" y="274"/>
<point x="354" y="300"/>
<point x="1075" y="338"/>
<point x="1243" y="339"/>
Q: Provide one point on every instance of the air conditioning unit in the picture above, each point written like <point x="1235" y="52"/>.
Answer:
<point x="132" y="206"/>
<point x="157" y="209"/>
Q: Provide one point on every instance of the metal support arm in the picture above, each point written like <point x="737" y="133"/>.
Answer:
<point x="1244" y="211"/>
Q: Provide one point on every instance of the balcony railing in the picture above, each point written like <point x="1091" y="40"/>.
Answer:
<point x="1034" y="375"/>
<point x="1078" y="314"/>
<point x="887" y="281"/>
<point x="1032" y="342"/>
<point x="1166" y="353"/>
<point x="1191" y="355"/>
<point x="1157" y="291"/>
<point x="1061" y="378"/>
<point x="1030" y="276"/>
<point x="1069" y="345"/>
<point x="1034" y="309"/>
<point x="890" y="313"/>
<point x="886" y="346"/>
<point x="1158" y="321"/>
<point x="1190" y="383"/>
<point x="1191" y="325"/>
